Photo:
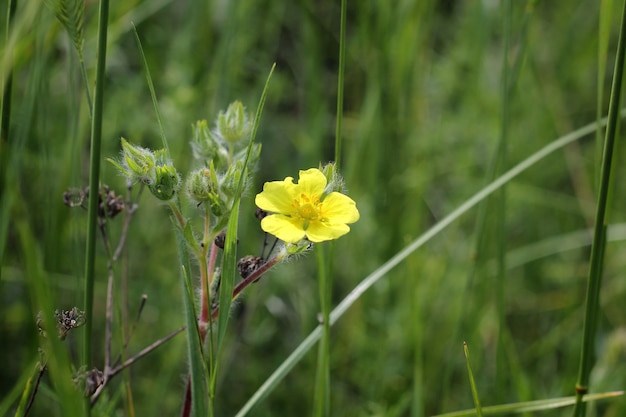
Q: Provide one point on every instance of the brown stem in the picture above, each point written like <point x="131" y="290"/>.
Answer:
<point x="110" y="373"/>
<point x="144" y="297"/>
<point x="108" y="332"/>
<point x="31" y="400"/>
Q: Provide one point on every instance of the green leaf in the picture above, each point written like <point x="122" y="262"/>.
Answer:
<point x="190" y="238"/>
<point x="197" y="371"/>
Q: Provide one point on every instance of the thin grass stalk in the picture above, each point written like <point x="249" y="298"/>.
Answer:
<point x="322" y="380"/>
<point x="500" y="204"/>
<point x="508" y="84"/>
<point x="288" y="364"/>
<point x="94" y="186"/>
<point x="604" y="36"/>
<point x="324" y="258"/>
<point x="5" y="120"/>
<point x="470" y="372"/>
<point x="155" y="102"/>
<point x="5" y="115"/>
<point x="598" y="245"/>
<point x="340" y="83"/>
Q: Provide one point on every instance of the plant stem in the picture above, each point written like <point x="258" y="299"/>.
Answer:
<point x="253" y="277"/>
<point x="340" y="82"/>
<point x="94" y="181"/>
<point x="500" y="203"/>
<point x="322" y="386"/>
<point x="596" y="261"/>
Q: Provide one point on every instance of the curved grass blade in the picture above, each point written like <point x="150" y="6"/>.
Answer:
<point x="528" y="406"/>
<point x="379" y="273"/>
<point x="229" y="263"/>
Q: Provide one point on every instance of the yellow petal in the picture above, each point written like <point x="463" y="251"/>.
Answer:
<point x="339" y="208"/>
<point x="285" y="228"/>
<point x="320" y="231"/>
<point x="277" y="196"/>
<point x="311" y="183"/>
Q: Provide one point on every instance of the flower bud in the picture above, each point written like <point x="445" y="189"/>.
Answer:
<point x="137" y="163"/>
<point x="234" y="126"/>
<point x="166" y="179"/>
<point x="335" y="181"/>
<point x="203" y="188"/>
<point x="206" y="147"/>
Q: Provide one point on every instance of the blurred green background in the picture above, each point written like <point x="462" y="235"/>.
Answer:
<point x="422" y="119"/>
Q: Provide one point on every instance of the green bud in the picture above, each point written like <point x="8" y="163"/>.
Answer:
<point x="298" y="248"/>
<point x="335" y="180"/>
<point x="234" y="126"/>
<point x="137" y="163"/>
<point x="166" y="179"/>
<point x="203" y="188"/>
<point x="205" y="146"/>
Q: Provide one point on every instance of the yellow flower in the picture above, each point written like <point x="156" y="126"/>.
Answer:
<point x="303" y="210"/>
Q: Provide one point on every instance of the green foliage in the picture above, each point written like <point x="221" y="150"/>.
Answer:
<point x="422" y="116"/>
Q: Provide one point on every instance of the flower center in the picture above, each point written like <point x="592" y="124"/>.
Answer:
<point x="307" y="209"/>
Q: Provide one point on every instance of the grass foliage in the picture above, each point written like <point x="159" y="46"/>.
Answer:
<point x="440" y="98"/>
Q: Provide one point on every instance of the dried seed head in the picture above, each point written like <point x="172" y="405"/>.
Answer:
<point x="220" y="239"/>
<point x="248" y="264"/>
<point x="88" y="381"/>
<point x="74" y="197"/>
<point x="107" y="200"/>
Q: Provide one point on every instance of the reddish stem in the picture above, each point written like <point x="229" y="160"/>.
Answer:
<point x="250" y="279"/>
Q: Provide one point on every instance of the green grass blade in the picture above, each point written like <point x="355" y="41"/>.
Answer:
<point x="604" y="36"/>
<point x="5" y="119"/>
<point x="529" y="406"/>
<point x="596" y="261"/>
<point x="197" y="369"/>
<point x="340" y="82"/>
<point x="7" y="80"/>
<point x="500" y="213"/>
<point x="325" y="257"/>
<point x="23" y="386"/>
<point x="155" y="103"/>
<point x="379" y="273"/>
<point x="478" y="408"/>
<point x="229" y="262"/>
<point x="57" y="356"/>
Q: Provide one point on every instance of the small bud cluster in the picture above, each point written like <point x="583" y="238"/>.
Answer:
<point x="222" y="153"/>
<point x="153" y="168"/>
